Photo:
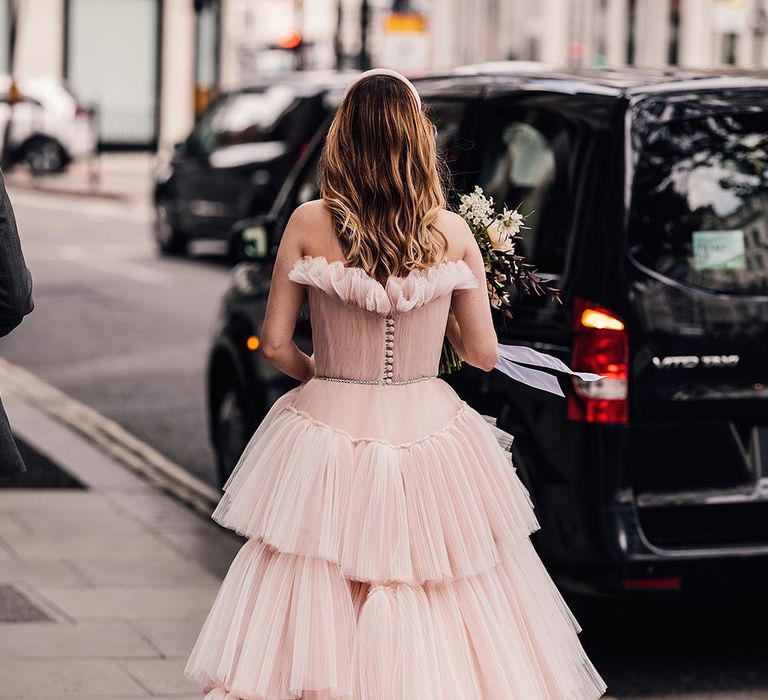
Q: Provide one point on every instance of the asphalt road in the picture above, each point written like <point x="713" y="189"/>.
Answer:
<point x="126" y="332"/>
<point x="678" y="649"/>
<point x="115" y="325"/>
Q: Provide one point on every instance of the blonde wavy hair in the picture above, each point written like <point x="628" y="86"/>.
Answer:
<point x="382" y="179"/>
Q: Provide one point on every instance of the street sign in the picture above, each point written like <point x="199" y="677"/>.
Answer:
<point x="730" y="16"/>
<point x="405" y="42"/>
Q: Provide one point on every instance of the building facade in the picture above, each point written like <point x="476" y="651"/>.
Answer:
<point x="658" y="33"/>
<point x="149" y="66"/>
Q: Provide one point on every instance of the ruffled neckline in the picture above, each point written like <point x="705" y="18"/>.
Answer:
<point x="399" y="294"/>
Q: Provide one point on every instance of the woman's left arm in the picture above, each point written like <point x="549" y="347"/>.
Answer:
<point x="284" y="304"/>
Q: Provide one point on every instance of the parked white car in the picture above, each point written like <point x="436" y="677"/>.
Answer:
<point x="49" y="128"/>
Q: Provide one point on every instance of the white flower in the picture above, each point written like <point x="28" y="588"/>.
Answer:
<point x="476" y="208"/>
<point x="495" y="299"/>
<point x="503" y="230"/>
<point x="501" y="238"/>
<point x="512" y="220"/>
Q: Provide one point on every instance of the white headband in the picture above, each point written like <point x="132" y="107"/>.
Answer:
<point x="385" y="71"/>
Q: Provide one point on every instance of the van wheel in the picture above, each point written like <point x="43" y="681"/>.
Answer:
<point x="232" y="431"/>
<point x="170" y="240"/>
<point x="44" y="156"/>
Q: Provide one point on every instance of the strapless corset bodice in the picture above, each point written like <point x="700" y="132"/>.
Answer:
<point x="366" y="331"/>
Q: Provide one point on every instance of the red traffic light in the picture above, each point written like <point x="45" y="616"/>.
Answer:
<point x="291" y="40"/>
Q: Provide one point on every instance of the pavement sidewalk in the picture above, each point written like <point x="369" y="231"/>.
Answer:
<point x="125" y="177"/>
<point x="102" y="589"/>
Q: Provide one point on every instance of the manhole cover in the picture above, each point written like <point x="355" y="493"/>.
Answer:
<point x="16" y="607"/>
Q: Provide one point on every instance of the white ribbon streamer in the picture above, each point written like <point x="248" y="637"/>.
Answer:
<point x="511" y="355"/>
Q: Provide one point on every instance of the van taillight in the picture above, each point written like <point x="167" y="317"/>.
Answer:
<point x="600" y="345"/>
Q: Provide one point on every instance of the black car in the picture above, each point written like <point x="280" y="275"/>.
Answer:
<point x="235" y="159"/>
<point x="647" y="195"/>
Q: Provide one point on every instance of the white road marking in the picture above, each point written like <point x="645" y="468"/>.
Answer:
<point x="131" y="271"/>
<point x="92" y="206"/>
<point x="140" y="251"/>
<point x="125" y="447"/>
<point x="71" y="252"/>
<point x="124" y="260"/>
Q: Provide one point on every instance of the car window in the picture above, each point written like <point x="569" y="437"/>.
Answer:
<point x="700" y="202"/>
<point x="253" y="116"/>
<point x="204" y="136"/>
<point x="449" y="117"/>
<point x="248" y="117"/>
<point x="525" y="166"/>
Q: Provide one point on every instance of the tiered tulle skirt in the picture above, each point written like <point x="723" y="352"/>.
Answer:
<point x="381" y="570"/>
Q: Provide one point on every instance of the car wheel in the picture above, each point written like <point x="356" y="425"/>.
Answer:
<point x="170" y="240"/>
<point x="44" y="156"/>
<point x="232" y="431"/>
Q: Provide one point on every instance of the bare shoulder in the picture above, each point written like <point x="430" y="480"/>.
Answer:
<point x="308" y="225"/>
<point x="312" y="211"/>
<point x="457" y="231"/>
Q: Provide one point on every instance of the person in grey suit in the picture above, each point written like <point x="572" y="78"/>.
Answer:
<point x="15" y="303"/>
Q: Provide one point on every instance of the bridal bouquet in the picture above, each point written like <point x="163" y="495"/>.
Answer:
<point x="506" y="272"/>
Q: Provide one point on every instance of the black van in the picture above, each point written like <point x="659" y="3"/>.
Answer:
<point x="648" y="201"/>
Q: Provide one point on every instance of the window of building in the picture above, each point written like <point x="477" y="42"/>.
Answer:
<point x="5" y="36"/>
<point x="207" y="32"/>
<point x="112" y="63"/>
<point x="533" y="48"/>
<point x="600" y="34"/>
<point x="631" y="31"/>
<point x="673" y="52"/>
<point x="729" y="47"/>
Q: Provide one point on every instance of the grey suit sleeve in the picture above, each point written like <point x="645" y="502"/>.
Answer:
<point x="15" y="279"/>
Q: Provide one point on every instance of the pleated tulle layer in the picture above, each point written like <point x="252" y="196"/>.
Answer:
<point x="433" y="509"/>
<point x="286" y="626"/>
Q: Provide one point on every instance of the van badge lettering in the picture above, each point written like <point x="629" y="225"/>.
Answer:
<point x="693" y="361"/>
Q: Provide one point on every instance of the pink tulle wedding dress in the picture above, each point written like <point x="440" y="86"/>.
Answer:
<point x="388" y="553"/>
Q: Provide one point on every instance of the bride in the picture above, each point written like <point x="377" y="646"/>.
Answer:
<point x="388" y="553"/>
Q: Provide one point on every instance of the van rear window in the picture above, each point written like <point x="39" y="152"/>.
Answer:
<point x="699" y="210"/>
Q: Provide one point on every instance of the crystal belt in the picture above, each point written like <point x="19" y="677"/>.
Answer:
<point x="388" y="381"/>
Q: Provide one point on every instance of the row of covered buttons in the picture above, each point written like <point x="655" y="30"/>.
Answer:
<point x="389" y="351"/>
